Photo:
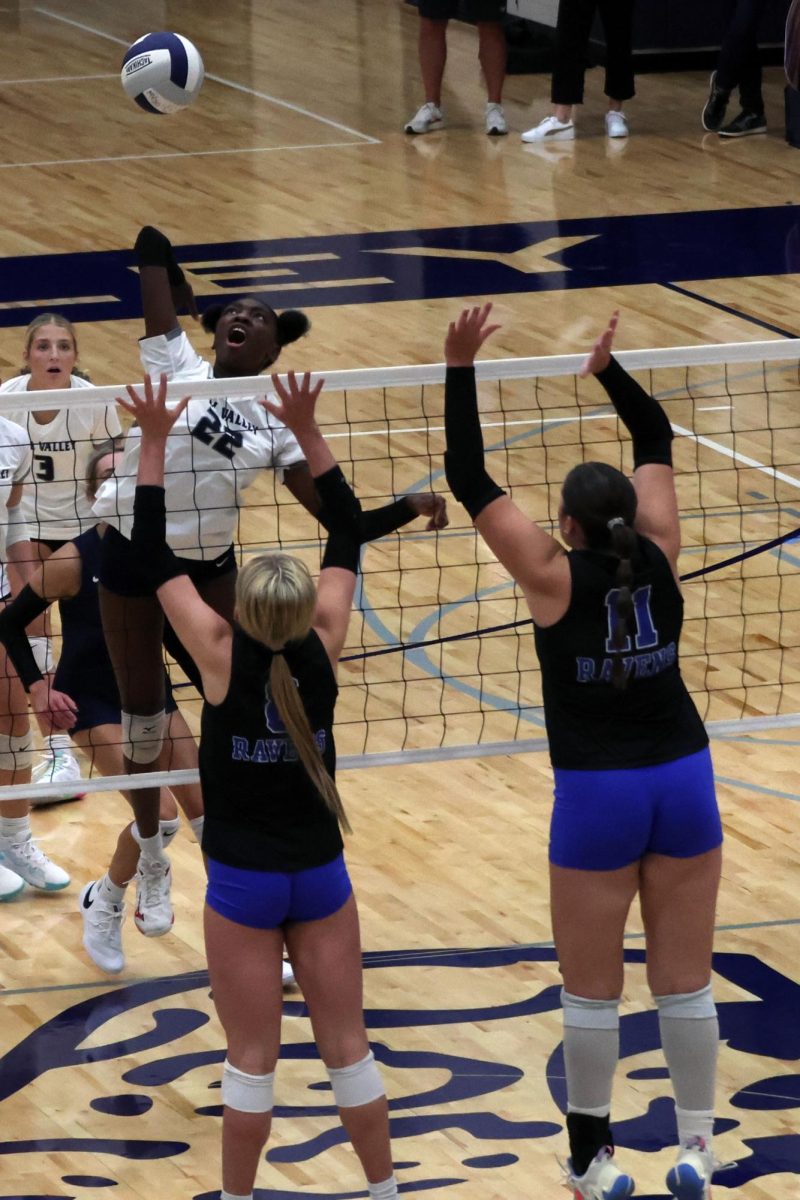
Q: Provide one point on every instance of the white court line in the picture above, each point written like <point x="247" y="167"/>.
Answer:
<point x="73" y="162"/>
<point x="740" y="458"/>
<point x="237" y="87"/>
<point x="57" y="78"/>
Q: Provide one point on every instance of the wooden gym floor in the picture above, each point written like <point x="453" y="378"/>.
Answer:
<point x="296" y="149"/>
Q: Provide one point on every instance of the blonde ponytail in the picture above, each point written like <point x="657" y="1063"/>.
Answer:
<point x="275" y="599"/>
<point x="286" y="698"/>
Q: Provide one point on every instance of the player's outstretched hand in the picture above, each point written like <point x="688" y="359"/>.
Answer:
<point x="149" y="410"/>
<point x="298" y="400"/>
<point x="466" y="335"/>
<point x="600" y="355"/>
<point x="430" y="505"/>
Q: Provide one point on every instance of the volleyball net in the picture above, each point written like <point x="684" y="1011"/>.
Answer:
<point x="439" y="657"/>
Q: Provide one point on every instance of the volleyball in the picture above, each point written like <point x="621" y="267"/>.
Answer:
<point x="162" y="72"/>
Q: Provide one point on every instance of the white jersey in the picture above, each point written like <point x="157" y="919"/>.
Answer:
<point x="215" y="450"/>
<point x="15" y="463"/>
<point x="55" y="503"/>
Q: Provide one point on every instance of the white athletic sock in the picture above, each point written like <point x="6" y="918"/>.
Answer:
<point x="168" y="828"/>
<point x="151" y="847"/>
<point x="16" y="828"/>
<point x="197" y="827"/>
<point x="694" y="1125"/>
<point x="108" y="890"/>
<point x="383" y="1191"/>
<point x="232" y="1196"/>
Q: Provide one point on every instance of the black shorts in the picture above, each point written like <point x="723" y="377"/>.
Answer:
<point x="52" y="544"/>
<point x="467" y="10"/>
<point x="120" y="573"/>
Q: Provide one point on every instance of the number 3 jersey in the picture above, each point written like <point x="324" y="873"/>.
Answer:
<point x="54" y="502"/>
<point x="591" y="724"/>
<point x="216" y="450"/>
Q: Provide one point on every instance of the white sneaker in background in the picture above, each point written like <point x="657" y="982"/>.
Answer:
<point x="25" y="858"/>
<point x="102" y="929"/>
<point x="550" y="130"/>
<point x="58" y="767"/>
<point x="496" y="123"/>
<point x="11" y="884"/>
<point x="426" y="119"/>
<point x="616" y="124"/>
<point x="153" y="916"/>
<point x="288" y="974"/>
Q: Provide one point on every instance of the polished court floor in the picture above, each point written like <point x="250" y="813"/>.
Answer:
<point x="292" y="175"/>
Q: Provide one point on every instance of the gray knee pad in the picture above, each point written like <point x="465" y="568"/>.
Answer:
<point x="360" y="1083"/>
<point x="247" y="1093"/>
<point x="142" y="737"/>
<point x="691" y="1006"/>
<point x="580" y="1013"/>
<point x="16" y="751"/>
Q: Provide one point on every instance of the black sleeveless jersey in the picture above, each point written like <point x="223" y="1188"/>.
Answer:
<point x="591" y="724"/>
<point x="262" y="812"/>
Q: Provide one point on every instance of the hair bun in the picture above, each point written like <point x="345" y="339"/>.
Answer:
<point x="292" y="325"/>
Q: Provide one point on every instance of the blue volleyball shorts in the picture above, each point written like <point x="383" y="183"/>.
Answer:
<point x="604" y="820"/>
<point x="269" y="899"/>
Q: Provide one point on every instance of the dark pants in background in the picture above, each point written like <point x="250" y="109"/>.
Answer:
<point x="573" y="29"/>
<point x="738" y="64"/>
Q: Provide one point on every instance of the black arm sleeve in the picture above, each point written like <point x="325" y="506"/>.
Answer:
<point x="377" y="522"/>
<point x="643" y="417"/>
<point x="464" y="466"/>
<point x="154" y="249"/>
<point x="149" y="535"/>
<point x="341" y="515"/>
<point x="14" y="620"/>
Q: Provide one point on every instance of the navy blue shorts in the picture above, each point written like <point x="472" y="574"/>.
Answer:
<point x="604" y="820"/>
<point x="269" y="899"/>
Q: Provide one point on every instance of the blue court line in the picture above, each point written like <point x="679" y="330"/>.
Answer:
<point x="755" y="787"/>
<point x="726" y="308"/>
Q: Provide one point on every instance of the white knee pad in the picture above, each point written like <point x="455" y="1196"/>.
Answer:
<point x="580" y="1013"/>
<point x="247" y="1093"/>
<point x="142" y="737"/>
<point x="690" y="1006"/>
<point x="360" y="1083"/>
<point x="42" y="649"/>
<point x="16" y="751"/>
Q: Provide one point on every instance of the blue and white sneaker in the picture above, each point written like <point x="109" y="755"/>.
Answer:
<point x="690" y="1178"/>
<point x="602" y="1180"/>
<point x="24" y="858"/>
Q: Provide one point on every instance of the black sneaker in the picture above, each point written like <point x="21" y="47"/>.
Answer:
<point x="746" y="123"/>
<point x="714" y="112"/>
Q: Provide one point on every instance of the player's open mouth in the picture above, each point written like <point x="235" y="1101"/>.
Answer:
<point x="237" y="335"/>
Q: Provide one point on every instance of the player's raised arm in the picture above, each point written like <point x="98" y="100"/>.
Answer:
<point x="651" y="435"/>
<point x="163" y="284"/>
<point x="525" y="550"/>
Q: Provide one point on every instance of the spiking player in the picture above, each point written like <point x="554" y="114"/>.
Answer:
<point x="218" y="448"/>
<point x="635" y="809"/>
